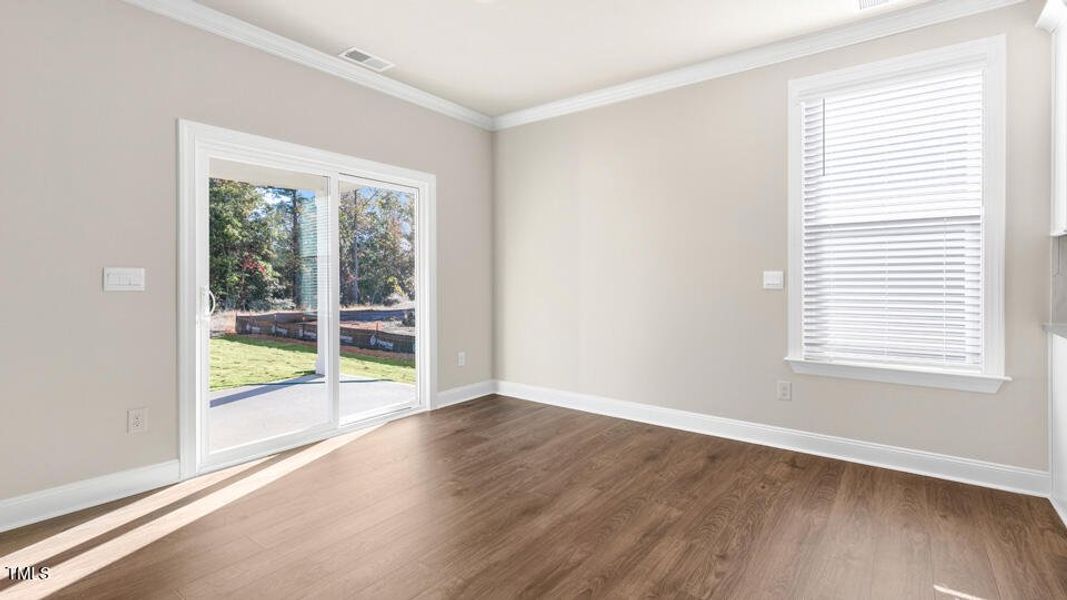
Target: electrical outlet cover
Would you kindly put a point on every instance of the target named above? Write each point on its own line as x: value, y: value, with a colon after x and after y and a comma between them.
x: 785, y: 391
x: 137, y: 420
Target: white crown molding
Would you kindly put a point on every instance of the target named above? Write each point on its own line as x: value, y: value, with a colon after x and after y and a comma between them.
x: 466, y: 393
x: 64, y: 499
x: 965, y: 470
x: 1052, y: 16
x: 932, y: 13
x: 232, y: 28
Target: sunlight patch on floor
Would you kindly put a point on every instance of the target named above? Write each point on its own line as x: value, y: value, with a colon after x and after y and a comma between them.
x: 98, y: 557
x: 37, y: 553
x: 957, y: 595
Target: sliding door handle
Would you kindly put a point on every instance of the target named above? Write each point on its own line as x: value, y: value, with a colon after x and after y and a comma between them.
x: 207, y: 300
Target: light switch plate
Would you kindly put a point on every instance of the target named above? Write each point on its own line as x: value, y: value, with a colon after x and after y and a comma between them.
x: 123, y: 279
x: 773, y: 280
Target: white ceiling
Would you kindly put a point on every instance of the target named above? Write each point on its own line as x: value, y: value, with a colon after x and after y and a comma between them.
x: 497, y: 56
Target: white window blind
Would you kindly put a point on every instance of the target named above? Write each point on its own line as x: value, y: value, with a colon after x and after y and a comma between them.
x: 892, y: 222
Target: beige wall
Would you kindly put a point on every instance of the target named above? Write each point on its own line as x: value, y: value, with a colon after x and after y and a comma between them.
x: 88, y: 111
x: 630, y: 241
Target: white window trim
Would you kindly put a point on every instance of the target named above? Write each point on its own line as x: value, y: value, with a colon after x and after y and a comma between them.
x: 990, y: 52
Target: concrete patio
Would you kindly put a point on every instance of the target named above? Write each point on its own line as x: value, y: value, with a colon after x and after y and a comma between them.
x: 250, y: 413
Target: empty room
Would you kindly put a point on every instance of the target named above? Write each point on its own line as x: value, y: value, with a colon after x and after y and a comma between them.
x: 411, y: 299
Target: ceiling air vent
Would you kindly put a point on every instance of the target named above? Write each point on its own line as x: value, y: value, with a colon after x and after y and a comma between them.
x: 872, y: 3
x: 366, y: 59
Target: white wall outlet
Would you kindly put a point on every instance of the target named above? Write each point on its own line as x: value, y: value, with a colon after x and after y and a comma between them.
x: 461, y: 359
x: 773, y: 280
x: 123, y: 279
x: 785, y: 391
x: 137, y: 420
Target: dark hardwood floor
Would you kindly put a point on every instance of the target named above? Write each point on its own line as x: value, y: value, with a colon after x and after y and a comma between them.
x: 500, y: 498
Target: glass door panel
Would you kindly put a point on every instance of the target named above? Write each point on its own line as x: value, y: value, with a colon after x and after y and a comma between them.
x: 268, y: 286
x: 376, y: 233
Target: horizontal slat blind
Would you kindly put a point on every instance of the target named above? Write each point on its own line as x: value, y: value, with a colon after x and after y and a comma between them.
x: 892, y: 223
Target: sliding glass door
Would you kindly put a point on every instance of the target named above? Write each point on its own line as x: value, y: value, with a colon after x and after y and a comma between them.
x: 377, y: 323
x: 267, y: 287
x: 306, y: 281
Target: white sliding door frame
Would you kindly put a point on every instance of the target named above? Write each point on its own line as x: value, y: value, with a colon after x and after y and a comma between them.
x: 420, y: 259
x: 198, y: 144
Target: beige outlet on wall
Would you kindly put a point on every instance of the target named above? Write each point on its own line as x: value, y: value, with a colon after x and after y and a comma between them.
x: 461, y: 359
x: 785, y: 391
x: 137, y: 420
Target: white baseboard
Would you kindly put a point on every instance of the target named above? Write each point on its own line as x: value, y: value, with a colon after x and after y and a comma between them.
x: 965, y: 470
x: 53, y: 502
x: 1060, y: 505
x: 64, y: 499
x: 459, y: 395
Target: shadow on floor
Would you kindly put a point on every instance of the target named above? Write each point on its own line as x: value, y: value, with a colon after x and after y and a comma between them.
x: 266, y: 388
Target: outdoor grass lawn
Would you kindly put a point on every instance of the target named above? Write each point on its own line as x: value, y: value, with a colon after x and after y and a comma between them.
x: 239, y: 360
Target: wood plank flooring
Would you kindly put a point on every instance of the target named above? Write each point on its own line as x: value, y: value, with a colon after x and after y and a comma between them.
x: 500, y: 498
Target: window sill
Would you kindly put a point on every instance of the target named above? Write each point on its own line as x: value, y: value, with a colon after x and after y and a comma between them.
x: 1059, y: 329
x: 985, y: 384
